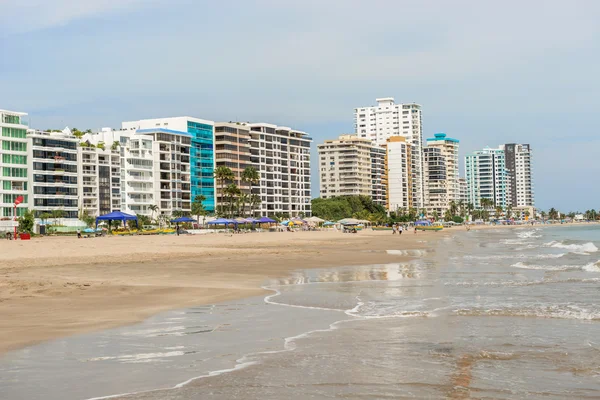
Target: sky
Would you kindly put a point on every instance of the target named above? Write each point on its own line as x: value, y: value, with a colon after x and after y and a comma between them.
x: 485, y: 72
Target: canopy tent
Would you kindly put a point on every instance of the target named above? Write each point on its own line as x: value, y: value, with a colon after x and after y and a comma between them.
x: 222, y: 221
x: 349, y: 221
x: 316, y: 220
x: 265, y: 220
x: 423, y: 223
x: 329, y: 223
x: 183, y: 219
x: 241, y: 220
x: 117, y: 216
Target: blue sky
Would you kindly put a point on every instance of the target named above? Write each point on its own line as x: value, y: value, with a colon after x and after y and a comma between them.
x: 485, y: 72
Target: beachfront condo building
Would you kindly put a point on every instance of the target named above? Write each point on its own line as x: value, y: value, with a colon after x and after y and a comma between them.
x: 441, y: 174
x: 462, y: 191
x: 232, y: 150
x: 400, y: 195
x: 388, y: 119
x: 518, y: 164
x: 53, y: 174
x: 99, y: 173
x: 202, y: 151
x: 345, y: 167
x: 379, y: 189
x: 13, y: 161
x: 282, y: 156
x: 487, y: 178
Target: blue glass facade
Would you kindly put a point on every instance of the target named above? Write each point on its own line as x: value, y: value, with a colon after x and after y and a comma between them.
x: 202, y: 160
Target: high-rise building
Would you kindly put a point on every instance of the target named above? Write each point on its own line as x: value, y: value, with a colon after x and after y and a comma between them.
x: 14, y: 163
x: 462, y: 190
x: 283, y: 158
x: 53, y: 173
x: 487, y: 177
x: 345, y: 167
x: 388, y: 119
x: 202, y: 151
x: 232, y: 150
x: 518, y: 164
x: 441, y: 173
x: 379, y: 188
x: 99, y: 173
x: 398, y: 175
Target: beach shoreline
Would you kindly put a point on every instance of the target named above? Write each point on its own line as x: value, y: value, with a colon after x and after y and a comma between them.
x: 57, y: 287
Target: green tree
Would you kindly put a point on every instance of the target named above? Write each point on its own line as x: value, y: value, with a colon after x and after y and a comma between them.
x: 250, y: 176
x: 101, y: 145
x: 154, y: 209
x: 448, y: 216
x: 553, y: 213
x: 223, y: 174
x: 499, y: 211
x: 453, y: 208
x: 435, y: 215
x: 543, y: 215
x: 57, y: 215
x: 527, y: 214
x: 231, y: 192
x: 115, y: 145
x: 197, y: 207
x: 87, y: 219
x: 77, y: 133
x: 254, y: 202
x: 26, y: 222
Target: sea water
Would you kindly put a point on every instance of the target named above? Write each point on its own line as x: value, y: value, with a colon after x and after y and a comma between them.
x: 496, y: 314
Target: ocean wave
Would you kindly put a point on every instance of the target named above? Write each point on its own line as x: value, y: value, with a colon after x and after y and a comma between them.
x: 592, y: 267
x: 407, y: 253
x: 584, y: 248
x: 524, y: 283
x: 518, y: 255
x: 561, y: 312
x: 529, y: 234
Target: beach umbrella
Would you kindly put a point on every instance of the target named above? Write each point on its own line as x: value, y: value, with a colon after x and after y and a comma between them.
x: 222, y: 221
x: 315, y: 220
x: 328, y: 223
x: 89, y: 230
x: 265, y: 220
x: 183, y: 219
x: 285, y: 223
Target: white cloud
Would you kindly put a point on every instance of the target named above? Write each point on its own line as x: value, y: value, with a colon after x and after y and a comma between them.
x: 32, y: 15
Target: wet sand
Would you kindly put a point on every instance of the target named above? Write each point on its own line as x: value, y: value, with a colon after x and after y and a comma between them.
x: 54, y: 287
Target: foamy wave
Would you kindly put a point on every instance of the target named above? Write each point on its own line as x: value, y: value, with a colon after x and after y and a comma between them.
x: 592, y: 267
x: 141, y: 357
x: 562, y: 312
x: 407, y: 253
x: 579, y: 248
x: 512, y: 256
x: 529, y: 234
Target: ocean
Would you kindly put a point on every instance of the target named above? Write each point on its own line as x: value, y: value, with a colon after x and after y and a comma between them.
x: 494, y: 314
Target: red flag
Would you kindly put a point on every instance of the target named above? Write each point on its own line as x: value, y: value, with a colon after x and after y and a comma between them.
x: 19, y: 200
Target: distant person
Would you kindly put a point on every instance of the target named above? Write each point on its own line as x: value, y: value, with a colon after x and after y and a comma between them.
x: 415, y: 229
x: 400, y: 229
x: 78, y: 233
x: 177, y: 229
x: 394, y: 229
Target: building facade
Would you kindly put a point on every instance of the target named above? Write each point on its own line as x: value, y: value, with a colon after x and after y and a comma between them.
x: 14, y: 163
x: 232, y: 150
x: 518, y: 164
x: 282, y: 156
x: 202, y: 151
x: 462, y: 190
x: 487, y: 177
x: 398, y: 175
x: 379, y: 188
x: 441, y: 173
x: 388, y: 119
x: 345, y: 167
x: 53, y: 169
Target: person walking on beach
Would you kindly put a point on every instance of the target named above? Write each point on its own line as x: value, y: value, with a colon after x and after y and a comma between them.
x: 400, y: 229
x: 415, y: 229
x: 393, y: 229
x: 78, y: 233
x: 177, y: 228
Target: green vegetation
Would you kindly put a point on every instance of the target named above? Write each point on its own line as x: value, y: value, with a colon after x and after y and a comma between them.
x: 359, y: 207
x: 198, y: 208
x: 26, y: 222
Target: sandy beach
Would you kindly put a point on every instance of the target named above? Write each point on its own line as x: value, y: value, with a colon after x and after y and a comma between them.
x: 54, y: 287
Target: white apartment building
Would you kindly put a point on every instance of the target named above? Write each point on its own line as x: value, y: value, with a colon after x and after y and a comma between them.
x: 345, y: 167
x: 388, y: 119
x: 53, y: 173
x: 487, y: 177
x: 462, y: 190
x: 518, y: 164
x: 282, y: 155
x: 441, y: 173
x: 398, y: 177
x: 379, y: 189
x: 13, y: 160
x: 202, y: 151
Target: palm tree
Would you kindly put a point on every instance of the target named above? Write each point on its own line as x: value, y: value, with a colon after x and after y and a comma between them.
x: 153, y: 208
x: 435, y: 216
x: 553, y: 214
x: 231, y: 192
x: 543, y: 214
x: 508, y: 212
x: 254, y: 201
x: 197, y: 206
x: 527, y: 213
x: 470, y: 208
x: 115, y: 145
x: 453, y: 208
x: 251, y: 176
x: 223, y: 174
x: 498, y: 211
x: 101, y: 145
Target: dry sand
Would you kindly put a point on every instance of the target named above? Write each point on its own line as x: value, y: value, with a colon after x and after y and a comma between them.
x: 53, y: 287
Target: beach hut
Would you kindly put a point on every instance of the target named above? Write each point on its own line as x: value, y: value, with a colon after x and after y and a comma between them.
x: 117, y: 216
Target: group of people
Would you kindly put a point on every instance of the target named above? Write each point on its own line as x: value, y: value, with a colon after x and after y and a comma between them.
x: 399, y: 228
